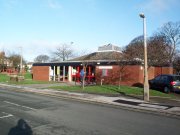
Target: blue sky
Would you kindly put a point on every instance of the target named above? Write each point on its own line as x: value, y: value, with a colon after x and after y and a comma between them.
x: 39, y: 26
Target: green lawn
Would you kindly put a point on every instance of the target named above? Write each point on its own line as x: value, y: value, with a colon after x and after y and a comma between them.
x: 4, y: 78
x: 28, y: 76
x: 105, y: 89
x: 111, y: 89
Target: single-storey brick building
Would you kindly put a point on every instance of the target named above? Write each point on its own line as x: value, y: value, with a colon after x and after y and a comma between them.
x: 101, y: 67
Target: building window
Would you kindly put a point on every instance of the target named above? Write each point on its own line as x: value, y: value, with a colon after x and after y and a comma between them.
x: 104, y: 72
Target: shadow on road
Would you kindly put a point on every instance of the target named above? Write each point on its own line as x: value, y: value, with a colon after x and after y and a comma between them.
x: 22, y: 128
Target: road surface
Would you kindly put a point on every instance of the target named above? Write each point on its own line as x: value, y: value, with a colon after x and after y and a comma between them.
x: 35, y: 114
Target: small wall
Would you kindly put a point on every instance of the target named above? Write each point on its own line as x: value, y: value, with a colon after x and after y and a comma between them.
x: 40, y: 73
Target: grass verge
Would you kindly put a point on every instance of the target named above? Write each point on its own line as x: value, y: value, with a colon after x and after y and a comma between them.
x: 111, y: 89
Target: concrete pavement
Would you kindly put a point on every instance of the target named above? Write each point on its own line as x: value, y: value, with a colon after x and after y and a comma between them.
x: 119, y: 101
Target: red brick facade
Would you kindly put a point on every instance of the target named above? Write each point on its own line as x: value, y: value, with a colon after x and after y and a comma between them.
x: 41, y: 73
x: 132, y: 75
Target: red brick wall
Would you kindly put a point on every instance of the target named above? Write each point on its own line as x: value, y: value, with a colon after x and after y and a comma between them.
x: 133, y: 75
x: 151, y: 72
x: 163, y: 70
x: 41, y: 73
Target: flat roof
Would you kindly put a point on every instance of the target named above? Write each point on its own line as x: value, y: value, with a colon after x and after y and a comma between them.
x: 75, y: 63
x: 93, y: 62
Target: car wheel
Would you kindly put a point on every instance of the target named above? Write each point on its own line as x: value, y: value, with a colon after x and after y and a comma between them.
x: 166, y: 89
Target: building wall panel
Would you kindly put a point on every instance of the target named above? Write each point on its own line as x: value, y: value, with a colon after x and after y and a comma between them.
x: 132, y: 75
x: 41, y: 73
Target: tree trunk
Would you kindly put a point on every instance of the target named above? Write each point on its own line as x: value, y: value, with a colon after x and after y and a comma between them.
x: 83, y: 80
x: 119, y: 80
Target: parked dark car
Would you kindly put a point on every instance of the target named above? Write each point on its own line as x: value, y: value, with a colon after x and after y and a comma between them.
x: 166, y: 83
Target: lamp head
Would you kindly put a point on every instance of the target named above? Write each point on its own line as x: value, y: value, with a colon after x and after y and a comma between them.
x: 142, y: 15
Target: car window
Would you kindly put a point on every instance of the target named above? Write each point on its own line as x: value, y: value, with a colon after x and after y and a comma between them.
x: 176, y: 78
x: 164, y: 78
x: 157, y: 78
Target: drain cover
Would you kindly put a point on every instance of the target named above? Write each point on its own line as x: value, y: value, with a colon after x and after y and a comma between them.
x: 126, y: 102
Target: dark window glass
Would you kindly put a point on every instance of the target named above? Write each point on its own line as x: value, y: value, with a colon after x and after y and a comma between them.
x: 164, y: 78
x: 176, y: 78
x: 157, y: 78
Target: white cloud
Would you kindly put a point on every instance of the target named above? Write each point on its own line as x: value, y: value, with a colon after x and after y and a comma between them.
x: 31, y: 49
x: 54, y: 4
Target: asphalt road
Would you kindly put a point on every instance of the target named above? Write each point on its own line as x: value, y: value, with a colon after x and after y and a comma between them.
x: 33, y: 114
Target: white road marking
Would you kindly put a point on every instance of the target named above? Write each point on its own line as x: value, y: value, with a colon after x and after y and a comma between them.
x: 19, y: 105
x: 6, y: 115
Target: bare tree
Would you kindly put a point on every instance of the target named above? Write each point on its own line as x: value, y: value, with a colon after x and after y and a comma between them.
x: 171, y: 32
x: 121, y: 62
x: 63, y: 52
x: 42, y: 58
x: 86, y: 60
x: 83, y: 73
x: 2, y: 58
x: 176, y: 63
x: 157, y: 51
x: 16, y: 58
x: 134, y: 50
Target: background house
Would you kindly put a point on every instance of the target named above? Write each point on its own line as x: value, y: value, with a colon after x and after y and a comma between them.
x: 29, y: 66
x: 5, y: 63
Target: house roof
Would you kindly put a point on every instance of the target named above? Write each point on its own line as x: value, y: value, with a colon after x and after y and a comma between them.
x: 76, y: 63
x: 109, y: 55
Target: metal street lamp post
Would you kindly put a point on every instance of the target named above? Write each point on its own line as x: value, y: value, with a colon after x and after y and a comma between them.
x: 21, y: 66
x: 146, y: 84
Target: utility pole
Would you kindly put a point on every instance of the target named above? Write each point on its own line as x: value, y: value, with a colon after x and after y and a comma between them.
x: 146, y: 84
x: 21, y: 66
